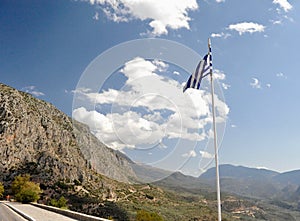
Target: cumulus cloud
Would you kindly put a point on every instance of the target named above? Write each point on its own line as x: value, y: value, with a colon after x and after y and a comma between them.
x: 161, y: 16
x: 144, y: 114
x: 176, y: 73
x: 220, y: 75
x: 207, y: 155
x: 245, y: 27
x: 225, y: 86
x: 32, y: 90
x: 191, y: 153
x: 255, y: 83
x: 220, y: 35
x: 284, y: 4
x: 281, y: 75
x: 276, y: 22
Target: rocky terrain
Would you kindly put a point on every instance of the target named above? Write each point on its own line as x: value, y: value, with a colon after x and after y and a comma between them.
x: 34, y: 133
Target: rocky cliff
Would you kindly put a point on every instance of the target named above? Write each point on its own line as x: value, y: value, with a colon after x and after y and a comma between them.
x: 104, y: 160
x: 37, y: 137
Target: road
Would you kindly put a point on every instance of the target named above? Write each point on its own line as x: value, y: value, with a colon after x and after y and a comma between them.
x: 6, y: 214
x: 39, y: 214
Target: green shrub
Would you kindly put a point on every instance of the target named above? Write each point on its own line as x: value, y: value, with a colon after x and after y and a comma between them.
x: 25, y: 191
x: 18, y: 182
x: 62, y: 185
x: 60, y: 203
x: 143, y: 215
x: 1, y: 190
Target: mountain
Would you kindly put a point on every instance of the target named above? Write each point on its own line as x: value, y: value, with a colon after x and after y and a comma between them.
x: 280, y: 189
x: 104, y: 160
x: 249, y: 193
x: 240, y: 172
x: 291, y: 177
x: 34, y: 134
x: 243, y: 181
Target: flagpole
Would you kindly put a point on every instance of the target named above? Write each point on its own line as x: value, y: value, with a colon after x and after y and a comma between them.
x: 215, y: 137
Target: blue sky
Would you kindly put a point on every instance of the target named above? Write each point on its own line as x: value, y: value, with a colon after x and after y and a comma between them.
x: 47, y: 48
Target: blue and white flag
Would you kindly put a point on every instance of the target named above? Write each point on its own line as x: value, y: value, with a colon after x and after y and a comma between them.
x: 202, y: 70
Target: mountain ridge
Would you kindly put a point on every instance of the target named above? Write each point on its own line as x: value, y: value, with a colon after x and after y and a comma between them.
x: 34, y: 131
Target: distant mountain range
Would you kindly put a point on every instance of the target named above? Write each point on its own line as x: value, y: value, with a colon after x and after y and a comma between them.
x: 255, y: 182
x: 243, y: 181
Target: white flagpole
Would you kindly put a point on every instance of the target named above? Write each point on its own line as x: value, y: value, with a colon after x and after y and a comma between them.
x: 215, y: 137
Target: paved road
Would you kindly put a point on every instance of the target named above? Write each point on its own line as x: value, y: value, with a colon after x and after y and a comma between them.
x: 40, y: 214
x: 6, y: 214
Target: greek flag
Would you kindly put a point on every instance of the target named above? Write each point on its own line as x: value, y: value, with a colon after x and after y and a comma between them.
x: 202, y: 70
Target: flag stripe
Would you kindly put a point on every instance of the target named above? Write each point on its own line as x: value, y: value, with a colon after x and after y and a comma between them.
x: 203, y: 69
x: 199, y: 75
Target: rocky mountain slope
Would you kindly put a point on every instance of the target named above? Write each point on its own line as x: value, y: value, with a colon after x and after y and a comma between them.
x: 102, y: 159
x: 33, y: 133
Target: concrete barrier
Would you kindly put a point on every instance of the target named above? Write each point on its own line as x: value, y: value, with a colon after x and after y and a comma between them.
x: 69, y: 213
x: 19, y: 212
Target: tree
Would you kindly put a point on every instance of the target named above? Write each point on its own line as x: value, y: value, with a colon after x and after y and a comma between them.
x: 18, y: 182
x: 1, y: 190
x: 25, y: 191
x: 143, y: 215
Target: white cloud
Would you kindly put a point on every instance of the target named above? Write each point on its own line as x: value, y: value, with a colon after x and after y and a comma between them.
x: 167, y: 112
x: 207, y: 155
x: 245, y: 27
x: 191, y: 153
x: 176, y: 73
x: 255, y: 83
x: 289, y: 18
x: 268, y: 85
x: 120, y: 130
x: 281, y: 75
x: 276, y: 22
x: 262, y: 168
x: 160, y: 66
x: 218, y: 74
x: 225, y: 86
x: 220, y: 35
x: 283, y: 4
x: 219, y: 1
x: 32, y: 90
x: 161, y: 15
x: 96, y: 16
